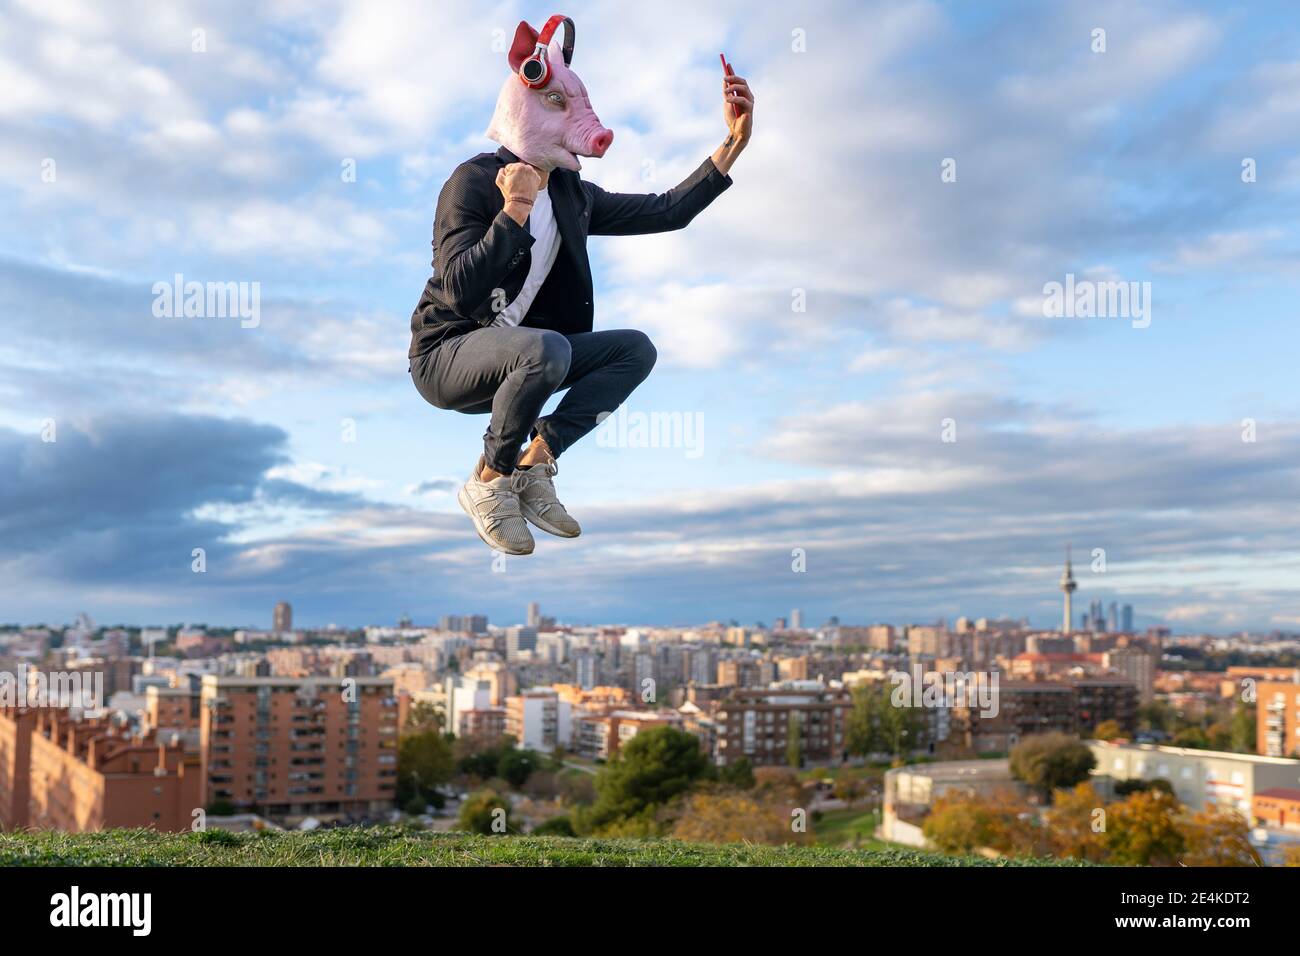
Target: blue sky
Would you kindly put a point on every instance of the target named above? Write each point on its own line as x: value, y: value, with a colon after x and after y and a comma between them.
x: 822, y: 428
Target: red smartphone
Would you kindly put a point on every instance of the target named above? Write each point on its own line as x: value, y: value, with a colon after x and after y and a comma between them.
x: 728, y: 71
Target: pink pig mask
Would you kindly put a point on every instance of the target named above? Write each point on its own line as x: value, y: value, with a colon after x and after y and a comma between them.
x: 550, y: 125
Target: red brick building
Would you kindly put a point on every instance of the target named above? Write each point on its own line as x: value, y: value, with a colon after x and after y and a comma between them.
x: 756, y: 724
x: 1276, y: 807
x: 314, y: 746
x: 61, y: 773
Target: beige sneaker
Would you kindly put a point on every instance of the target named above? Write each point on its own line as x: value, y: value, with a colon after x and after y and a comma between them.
x: 494, y: 507
x: 539, y: 505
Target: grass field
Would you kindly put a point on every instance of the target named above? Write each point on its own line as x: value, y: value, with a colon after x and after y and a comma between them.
x: 394, y: 846
x: 838, y: 827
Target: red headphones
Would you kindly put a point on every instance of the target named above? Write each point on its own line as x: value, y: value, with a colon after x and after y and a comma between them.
x: 535, y: 72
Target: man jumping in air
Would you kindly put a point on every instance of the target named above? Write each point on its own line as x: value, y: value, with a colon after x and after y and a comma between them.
x: 506, y: 319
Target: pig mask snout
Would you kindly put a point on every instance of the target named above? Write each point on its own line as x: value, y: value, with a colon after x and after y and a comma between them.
x: 601, y: 142
x: 552, y: 123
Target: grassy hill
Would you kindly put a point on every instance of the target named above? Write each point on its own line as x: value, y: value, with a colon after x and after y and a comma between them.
x: 394, y: 846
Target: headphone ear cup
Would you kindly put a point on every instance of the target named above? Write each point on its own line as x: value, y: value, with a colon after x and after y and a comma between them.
x: 534, y: 71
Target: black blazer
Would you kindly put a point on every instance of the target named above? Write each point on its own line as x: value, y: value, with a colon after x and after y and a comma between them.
x: 481, y: 255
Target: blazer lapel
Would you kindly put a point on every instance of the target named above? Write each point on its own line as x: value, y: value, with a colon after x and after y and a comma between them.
x: 569, y: 201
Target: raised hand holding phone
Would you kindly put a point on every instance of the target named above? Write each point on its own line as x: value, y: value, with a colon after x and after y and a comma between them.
x: 737, y: 113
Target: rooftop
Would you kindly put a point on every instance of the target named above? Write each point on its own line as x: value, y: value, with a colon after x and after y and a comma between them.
x: 223, y: 680
x: 1280, y: 793
x: 1192, y: 752
x: 950, y: 770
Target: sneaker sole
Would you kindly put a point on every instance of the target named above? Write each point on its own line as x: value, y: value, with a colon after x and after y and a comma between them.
x: 535, y: 519
x: 478, y: 526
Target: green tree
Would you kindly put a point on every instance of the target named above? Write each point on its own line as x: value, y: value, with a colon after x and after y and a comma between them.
x: 1108, y: 730
x: 1075, y: 824
x: 516, y: 766
x: 1218, y: 736
x: 959, y: 824
x: 1053, y: 761
x: 424, y: 762
x: 849, y: 787
x: 1191, y: 737
x: 1217, y: 837
x: 1157, y: 715
x: 877, y: 724
x: 556, y: 826
x: 1124, y: 788
x: 421, y: 718
x: 734, y: 818
x: 963, y: 823
x: 576, y: 787
x: 1243, y: 728
x: 486, y: 812
x: 794, y: 741
x: 739, y: 775
x: 1143, y: 830
x: 648, y: 771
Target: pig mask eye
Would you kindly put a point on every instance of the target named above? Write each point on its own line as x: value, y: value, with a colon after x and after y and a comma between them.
x: 554, y: 98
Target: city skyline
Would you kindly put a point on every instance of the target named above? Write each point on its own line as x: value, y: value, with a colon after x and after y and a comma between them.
x: 533, y: 618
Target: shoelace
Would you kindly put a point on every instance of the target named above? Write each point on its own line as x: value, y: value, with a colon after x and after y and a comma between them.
x: 504, y: 502
x: 549, y: 470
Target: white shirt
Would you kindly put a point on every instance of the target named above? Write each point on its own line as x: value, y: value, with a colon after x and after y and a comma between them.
x: 546, y: 245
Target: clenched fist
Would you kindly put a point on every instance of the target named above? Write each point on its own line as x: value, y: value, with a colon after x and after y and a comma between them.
x: 519, y: 182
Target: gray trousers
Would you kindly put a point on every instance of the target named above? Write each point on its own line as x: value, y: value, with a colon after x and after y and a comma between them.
x: 511, y: 372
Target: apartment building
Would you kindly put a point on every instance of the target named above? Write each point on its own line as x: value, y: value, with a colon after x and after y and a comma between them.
x: 1023, y: 708
x: 1040, y: 666
x: 593, y: 699
x: 539, y: 719
x: 739, y: 672
x: 500, y: 679
x: 1200, y: 778
x: 481, y: 723
x: 408, y: 678
x: 474, y: 706
x: 756, y: 723
x: 792, y: 668
x: 1137, y: 664
x: 171, y: 709
x: 61, y: 772
x: 1038, y: 707
x: 1049, y: 644
x: 698, y: 723
x: 1102, y: 699
x: 599, y: 736
x: 928, y: 641
x: 300, y: 746
x: 1277, y: 725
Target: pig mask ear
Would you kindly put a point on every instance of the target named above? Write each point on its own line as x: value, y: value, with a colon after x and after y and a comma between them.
x: 523, y: 46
